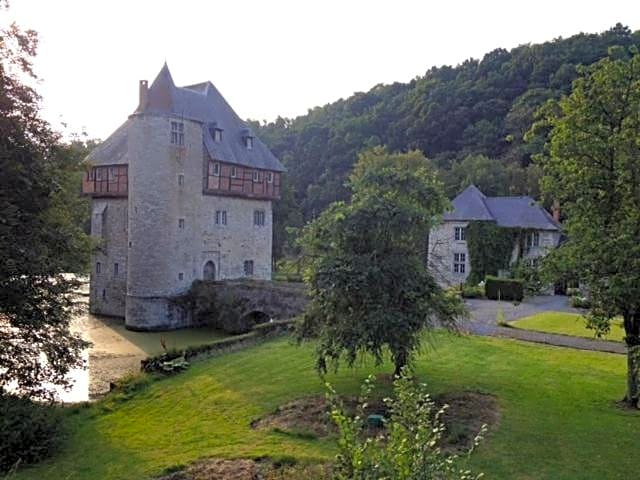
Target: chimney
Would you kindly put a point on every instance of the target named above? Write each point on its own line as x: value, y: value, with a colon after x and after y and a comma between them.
x: 144, y: 90
x: 556, y: 210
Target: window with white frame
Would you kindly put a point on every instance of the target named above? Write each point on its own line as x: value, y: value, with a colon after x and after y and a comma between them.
x: 234, y: 172
x: 258, y: 217
x: 533, y: 240
x: 177, y: 133
x: 248, y: 142
x: 269, y: 177
x: 221, y: 217
x: 459, y: 234
x: 256, y: 176
x: 459, y: 262
x: 216, y: 169
x: 217, y: 135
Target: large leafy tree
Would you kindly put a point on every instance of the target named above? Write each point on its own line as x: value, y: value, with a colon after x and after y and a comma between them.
x: 38, y: 235
x: 369, y: 285
x: 593, y: 169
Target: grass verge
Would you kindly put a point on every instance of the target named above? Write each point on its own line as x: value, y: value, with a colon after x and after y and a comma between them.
x: 564, y: 323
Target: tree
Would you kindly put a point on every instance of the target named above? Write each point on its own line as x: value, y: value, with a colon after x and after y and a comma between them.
x: 593, y: 170
x: 37, y: 234
x: 369, y: 284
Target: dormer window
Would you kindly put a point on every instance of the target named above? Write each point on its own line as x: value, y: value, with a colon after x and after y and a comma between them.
x: 177, y: 133
x: 248, y: 142
x: 217, y: 135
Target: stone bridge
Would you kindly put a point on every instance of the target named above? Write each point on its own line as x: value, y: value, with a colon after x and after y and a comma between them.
x: 217, y: 301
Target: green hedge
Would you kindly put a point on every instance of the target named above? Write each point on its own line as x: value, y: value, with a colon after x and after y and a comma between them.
x: 511, y: 289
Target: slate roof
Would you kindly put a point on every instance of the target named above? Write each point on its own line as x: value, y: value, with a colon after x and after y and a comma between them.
x: 521, y: 212
x: 202, y: 103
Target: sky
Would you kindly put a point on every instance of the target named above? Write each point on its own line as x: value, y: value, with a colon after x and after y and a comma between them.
x: 272, y: 57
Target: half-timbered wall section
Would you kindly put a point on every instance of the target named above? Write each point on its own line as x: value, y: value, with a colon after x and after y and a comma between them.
x: 106, y: 181
x: 227, y: 179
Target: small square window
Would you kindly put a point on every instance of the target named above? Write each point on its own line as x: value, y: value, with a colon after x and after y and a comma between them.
x: 234, y: 172
x: 181, y: 179
x: 459, y: 234
x: 221, y: 217
x: 258, y: 217
x: 181, y: 276
x: 270, y: 177
x: 248, y: 142
x: 256, y: 176
x: 181, y: 223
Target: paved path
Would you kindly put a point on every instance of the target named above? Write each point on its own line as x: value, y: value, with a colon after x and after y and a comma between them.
x: 483, y: 322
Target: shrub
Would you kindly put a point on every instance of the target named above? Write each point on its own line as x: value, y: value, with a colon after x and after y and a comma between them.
x: 578, y: 301
x: 511, y: 289
x: 408, y: 446
x: 573, y: 292
x: 472, y: 291
x: 29, y: 432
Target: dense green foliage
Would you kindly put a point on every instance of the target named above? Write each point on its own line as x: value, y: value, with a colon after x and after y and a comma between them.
x: 490, y: 248
x: 469, y: 119
x: 551, y: 400
x: 511, y: 289
x: 369, y: 285
x: 40, y: 237
x: 593, y: 169
x: 29, y: 432
x: 409, y: 447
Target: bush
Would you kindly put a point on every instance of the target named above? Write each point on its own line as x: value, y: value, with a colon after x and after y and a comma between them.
x: 407, y: 447
x: 578, y: 301
x: 29, y: 432
x: 511, y: 289
x: 573, y: 292
x: 472, y: 291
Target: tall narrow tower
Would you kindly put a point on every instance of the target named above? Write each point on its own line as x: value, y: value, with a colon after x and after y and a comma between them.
x: 195, y: 189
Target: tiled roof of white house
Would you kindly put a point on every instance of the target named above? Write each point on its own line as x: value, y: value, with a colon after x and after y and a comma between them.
x: 201, y: 103
x: 521, y: 212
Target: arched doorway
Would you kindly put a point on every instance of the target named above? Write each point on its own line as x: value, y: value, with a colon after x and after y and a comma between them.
x: 209, y: 271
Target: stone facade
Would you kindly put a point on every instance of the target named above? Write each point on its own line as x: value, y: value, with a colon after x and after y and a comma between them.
x: 166, y: 231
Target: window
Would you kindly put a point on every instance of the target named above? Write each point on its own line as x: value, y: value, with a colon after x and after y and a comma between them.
x: 459, y: 262
x: 269, y: 177
x: 116, y: 268
x: 177, y: 133
x: 248, y: 268
x: 181, y: 276
x: 258, y: 217
x: 216, y: 169
x: 533, y: 240
x: 256, y: 176
x: 98, y: 267
x: 217, y: 135
x: 181, y: 179
x: 459, y: 234
x: 248, y: 142
x: 181, y: 223
x: 234, y: 172
x: 209, y: 271
x: 221, y: 217
x: 104, y: 294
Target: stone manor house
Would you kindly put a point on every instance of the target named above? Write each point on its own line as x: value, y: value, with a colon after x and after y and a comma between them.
x: 182, y: 190
x: 448, y: 256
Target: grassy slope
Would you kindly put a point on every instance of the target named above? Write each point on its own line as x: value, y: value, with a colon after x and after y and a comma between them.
x: 566, y: 324
x: 558, y: 415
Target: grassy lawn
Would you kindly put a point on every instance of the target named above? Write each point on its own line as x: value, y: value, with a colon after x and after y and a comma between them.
x: 566, y: 324
x: 558, y: 417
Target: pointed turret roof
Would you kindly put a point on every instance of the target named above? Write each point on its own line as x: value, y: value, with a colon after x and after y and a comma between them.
x: 202, y: 103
